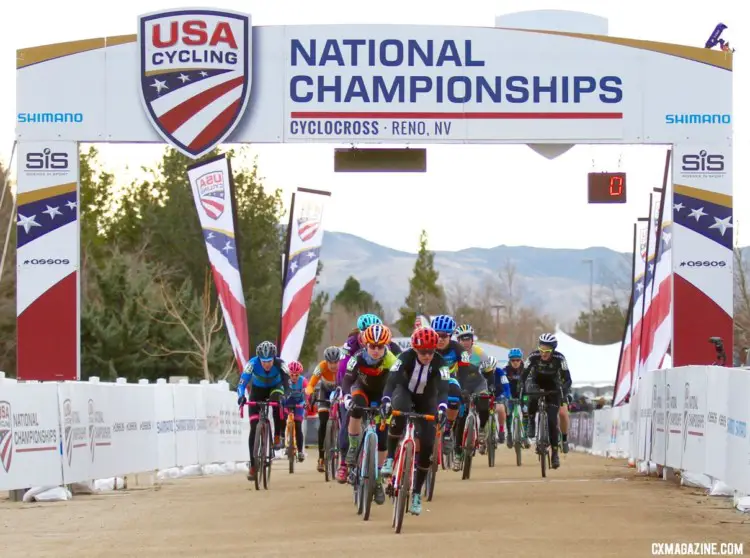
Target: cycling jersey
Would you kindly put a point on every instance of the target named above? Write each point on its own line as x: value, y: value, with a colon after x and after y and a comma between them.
x: 430, y: 381
x: 551, y: 374
x: 477, y: 355
x: 516, y: 378
x: 323, y: 374
x: 351, y: 347
x: 371, y: 377
x: 255, y: 375
x: 455, y: 355
x: 501, y: 383
x: 296, y: 393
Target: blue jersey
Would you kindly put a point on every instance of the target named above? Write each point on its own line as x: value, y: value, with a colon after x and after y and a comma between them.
x: 296, y: 394
x: 502, y: 384
x: 253, y: 374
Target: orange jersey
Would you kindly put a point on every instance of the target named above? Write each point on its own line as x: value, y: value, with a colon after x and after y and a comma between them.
x: 322, y: 372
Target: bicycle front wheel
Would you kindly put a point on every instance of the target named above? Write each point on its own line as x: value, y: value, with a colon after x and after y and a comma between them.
x: 404, y: 490
x: 543, y: 441
x: 432, y: 473
x: 330, y: 453
x: 491, y: 440
x: 471, y: 438
x: 258, y: 452
x: 369, y: 472
x: 516, y: 431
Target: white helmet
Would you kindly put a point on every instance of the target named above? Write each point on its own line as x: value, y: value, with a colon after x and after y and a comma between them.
x: 548, y: 339
x: 489, y: 365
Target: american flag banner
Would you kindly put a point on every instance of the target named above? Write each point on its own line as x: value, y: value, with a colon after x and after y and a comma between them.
x: 212, y: 185
x: 648, y: 287
x: 632, y: 335
x: 304, y: 240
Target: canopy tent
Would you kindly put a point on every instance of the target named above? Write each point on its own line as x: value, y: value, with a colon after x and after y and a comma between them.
x: 590, y: 365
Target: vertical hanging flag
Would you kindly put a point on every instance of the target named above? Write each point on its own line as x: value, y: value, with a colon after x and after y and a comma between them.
x: 633, y: 334
x: 304, y: 239
x: 213, y: 193
x: 627, y: 335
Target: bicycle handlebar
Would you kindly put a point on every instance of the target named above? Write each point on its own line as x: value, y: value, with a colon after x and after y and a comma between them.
x: 257, y: 404
x: 396, y: 413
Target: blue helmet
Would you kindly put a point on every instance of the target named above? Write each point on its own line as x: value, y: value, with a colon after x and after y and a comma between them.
x: 515, y: 353
x: 366, y: 320
x: 443, y: 324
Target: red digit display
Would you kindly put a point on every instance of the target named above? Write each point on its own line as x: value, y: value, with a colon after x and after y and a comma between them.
x: 607, y: 187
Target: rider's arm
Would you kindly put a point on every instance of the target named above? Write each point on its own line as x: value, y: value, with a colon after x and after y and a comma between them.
x: 284, y: 377
x: 394, y: 375
x: 502, y: 385
x: 350, y: 376
x: 245, y: 378
x: 443, y: 383
x: 567, y: 381
x: 313, y: 380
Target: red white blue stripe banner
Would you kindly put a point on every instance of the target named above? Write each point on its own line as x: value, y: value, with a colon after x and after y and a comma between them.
x: 212, y: 185
x: 304, y: 240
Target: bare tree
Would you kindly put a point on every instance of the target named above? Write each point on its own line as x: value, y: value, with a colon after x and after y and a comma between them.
x: 511, y: 290
x: 206, y: 314
x: 741, y: 302
x: 615, y: 283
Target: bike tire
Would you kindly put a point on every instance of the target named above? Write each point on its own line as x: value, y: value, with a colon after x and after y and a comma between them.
x: 471, y: 436
x: 517, y: 441
x: 543, y: 437
x: 290, y: 443
x: 371, y: 472
x: 447, y: 461
x: 258, y: 452
x: 491, y: 442
x: 404, y: 491
x: 432, y: 473
x: 329, y: 470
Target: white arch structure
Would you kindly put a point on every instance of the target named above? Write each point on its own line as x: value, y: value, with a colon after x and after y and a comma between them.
x: 194, y: 78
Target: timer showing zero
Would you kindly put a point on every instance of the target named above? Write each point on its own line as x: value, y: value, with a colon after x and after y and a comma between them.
x: 608, y: 187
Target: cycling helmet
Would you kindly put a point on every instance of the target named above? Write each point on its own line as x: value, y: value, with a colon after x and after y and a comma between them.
x: 295, y: 367
x: 515, y: 353
x: 332, y: 354
x: 464, y: 329
x: 490, y: 364
x: 548, y: 339
x: 424, y: 339
x: 366, y: 320
x: 377, y: 334
x: 443, y: 324
x: 266, y: 351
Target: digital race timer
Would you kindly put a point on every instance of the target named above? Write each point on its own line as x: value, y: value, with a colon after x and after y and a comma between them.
x: 607, y: 187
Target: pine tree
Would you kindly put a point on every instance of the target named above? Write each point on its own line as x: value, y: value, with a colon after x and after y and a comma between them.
x: 425, y: 295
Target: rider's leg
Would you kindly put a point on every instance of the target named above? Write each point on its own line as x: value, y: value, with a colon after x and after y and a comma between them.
x: 400, y: 401
x: 533, y: 406
x: 278, y: 423
x: 426, y: 440
x: 322, y: 425
x: 298, y: 432
x: 359, y: 398
x: 564, y: 425
x: 553, y: 408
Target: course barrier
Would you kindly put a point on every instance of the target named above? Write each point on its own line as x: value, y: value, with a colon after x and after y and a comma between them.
x: 54, y: 434
x: 690, y: 419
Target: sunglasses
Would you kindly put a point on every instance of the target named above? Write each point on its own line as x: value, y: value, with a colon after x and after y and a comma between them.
x: 373, y: 347
x: 515, y: 360
x: 444, y: 335
x: 425, y: 352
x: 545, y: 350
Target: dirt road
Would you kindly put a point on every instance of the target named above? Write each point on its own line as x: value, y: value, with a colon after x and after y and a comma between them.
x: 589, y: 507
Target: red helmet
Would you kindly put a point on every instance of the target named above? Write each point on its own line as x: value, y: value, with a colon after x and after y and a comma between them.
x: 295, y: 367
x: 424, y: 339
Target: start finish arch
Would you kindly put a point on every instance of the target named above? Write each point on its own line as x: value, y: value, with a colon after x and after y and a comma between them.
x: 194, y: 78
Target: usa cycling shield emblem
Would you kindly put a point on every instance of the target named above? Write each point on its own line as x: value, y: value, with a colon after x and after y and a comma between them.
x: 195, y: 75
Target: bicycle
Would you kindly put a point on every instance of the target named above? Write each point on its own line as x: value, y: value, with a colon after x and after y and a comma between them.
x: 263, y: 442
x: 331, y: 449
x: 364, y: 475
x: 400, y: 485
x: 517, y: 433
x: 291, y: 435
x: 543, y: 445
x: 470, y: 439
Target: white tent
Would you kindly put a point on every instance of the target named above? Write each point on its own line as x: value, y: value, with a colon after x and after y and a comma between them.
x: 590, y: 365
x: 500, y: 353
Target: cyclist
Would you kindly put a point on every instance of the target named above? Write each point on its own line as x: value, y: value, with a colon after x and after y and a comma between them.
x: 454, y: 355
x: 268, y: 378
x: 567, y: 399
x: 296, y: 396
x: 363, y: 385
x: 418, y: 379
x: 323, y: 382
x: 465, y: 336
x: 472, y: 382
x: 516, y: 375
x: 500, y: 387
x: 546, y: 368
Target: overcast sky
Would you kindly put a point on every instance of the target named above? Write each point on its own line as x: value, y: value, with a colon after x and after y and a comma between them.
x: 471, y: 195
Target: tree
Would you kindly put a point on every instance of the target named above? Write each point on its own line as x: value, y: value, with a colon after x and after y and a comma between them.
x: 741, y: 304
x: 8, y: 281
x: 354, y: 299
x: 198, y: 319
x: 425, y: 295
x: 608, y: 324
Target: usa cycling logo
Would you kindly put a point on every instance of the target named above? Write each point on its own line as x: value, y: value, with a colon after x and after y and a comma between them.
x: 195, y: 75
